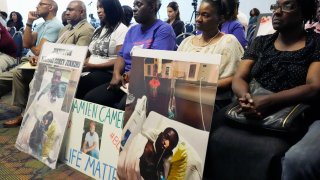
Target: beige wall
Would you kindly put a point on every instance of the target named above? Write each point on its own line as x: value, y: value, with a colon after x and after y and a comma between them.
x: 3, y: 6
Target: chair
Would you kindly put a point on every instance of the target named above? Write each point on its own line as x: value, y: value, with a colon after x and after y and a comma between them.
x: 17, y: 38
x: 250, y: 33
x: 189, y: 27
x: 12, y: 31
x: 181, y: 37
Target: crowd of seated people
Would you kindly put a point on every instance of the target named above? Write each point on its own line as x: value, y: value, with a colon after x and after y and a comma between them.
x: 292, y: 50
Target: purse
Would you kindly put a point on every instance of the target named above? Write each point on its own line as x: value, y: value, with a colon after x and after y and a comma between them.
x: 288, y: 119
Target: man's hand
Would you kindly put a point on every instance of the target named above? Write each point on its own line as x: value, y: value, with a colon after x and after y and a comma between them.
x: 32, y: 16
x: 33, y: 60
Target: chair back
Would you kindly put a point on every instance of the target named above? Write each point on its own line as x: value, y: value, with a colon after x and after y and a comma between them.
x: 189, y: 27
x: 12, y: 31
x: 17, y: 38
x: 181, y: 37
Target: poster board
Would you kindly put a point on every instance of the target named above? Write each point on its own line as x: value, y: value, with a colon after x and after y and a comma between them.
x: 51, y: 93
x: 264, y: 25
x: 170, y: 102
x: 93, y: 123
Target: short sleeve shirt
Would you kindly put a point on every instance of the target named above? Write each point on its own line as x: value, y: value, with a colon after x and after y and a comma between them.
x: 235, y: 28
x: 281, y: 70
x: 91, y: 139
x: 48, y: 30
x: 159, y: 36
x: 98, y: 44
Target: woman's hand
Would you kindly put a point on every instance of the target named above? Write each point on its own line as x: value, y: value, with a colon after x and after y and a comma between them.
x: 247, y: 103
x: 115, y: 81
x: 262, y: 104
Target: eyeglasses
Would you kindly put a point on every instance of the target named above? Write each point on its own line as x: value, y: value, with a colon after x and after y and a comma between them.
x: 284, y: 8
x: 43, y: 4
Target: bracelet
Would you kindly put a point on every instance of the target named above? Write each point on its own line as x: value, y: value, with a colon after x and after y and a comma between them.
x: 29, y: 25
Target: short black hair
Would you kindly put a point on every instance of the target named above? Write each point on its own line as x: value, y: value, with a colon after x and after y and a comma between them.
x: 217, y: 4
x: 4, y: 14
x: 127, y: 15
x: 156, y: 2
x: 231, y: 9
x: 175, y: 139
x: 254, y: 12
x: 308, y: 9
x: 48, y: 116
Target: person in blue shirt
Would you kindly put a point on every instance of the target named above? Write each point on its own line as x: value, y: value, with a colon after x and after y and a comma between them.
x: 150, y: 33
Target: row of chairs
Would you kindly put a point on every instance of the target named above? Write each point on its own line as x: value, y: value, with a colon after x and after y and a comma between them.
x: 17, y: 38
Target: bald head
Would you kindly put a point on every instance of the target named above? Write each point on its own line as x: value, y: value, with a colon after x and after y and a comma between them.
x: 54, y: 6
x: 76, y: 12
x: 82, y: 7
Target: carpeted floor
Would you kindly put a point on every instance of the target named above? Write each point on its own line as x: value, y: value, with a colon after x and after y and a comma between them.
x: 17, y: 165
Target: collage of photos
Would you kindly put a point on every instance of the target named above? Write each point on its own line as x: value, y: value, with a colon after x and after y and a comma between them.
x: 169, y: 106
x: 42, y: 128
x: 49, y: 103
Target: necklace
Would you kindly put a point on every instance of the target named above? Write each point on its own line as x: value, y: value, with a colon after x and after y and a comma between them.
x: 206, y: 44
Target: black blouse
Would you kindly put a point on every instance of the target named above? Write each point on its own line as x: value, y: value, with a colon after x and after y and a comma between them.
x: 280, y: 70
x: 178, y: 27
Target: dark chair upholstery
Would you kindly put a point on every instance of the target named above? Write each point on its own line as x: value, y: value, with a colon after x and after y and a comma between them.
x: 17, y: 38
x: 181, y: 37
x: 189, y: 27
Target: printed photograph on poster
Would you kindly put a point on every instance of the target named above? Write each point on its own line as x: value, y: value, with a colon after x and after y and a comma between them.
x: 40, y: 133
x: 92, y: 140
x: 264, y: 25
x: 50, y: 98
x: 169, y: 106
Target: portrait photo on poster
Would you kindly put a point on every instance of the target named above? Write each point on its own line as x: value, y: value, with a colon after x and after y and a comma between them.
x: 91, y: 138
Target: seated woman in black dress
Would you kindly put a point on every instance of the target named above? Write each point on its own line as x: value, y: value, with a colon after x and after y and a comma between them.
x: 286, y: 63
x: 174, y: 18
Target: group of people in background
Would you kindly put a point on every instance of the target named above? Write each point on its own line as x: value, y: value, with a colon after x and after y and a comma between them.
x: 286, y: 62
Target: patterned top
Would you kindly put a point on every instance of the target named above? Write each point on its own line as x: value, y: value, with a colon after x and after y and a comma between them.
x: 105, y: 46
x: 280, y: 70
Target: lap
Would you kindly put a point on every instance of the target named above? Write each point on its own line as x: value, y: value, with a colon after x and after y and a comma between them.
x: 6, y: 62
x: 102, y: 95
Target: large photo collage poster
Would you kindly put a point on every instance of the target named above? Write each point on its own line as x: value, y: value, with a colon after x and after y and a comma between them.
x: 92, y: 141
x: 49, y: 103
x: 168, y: 115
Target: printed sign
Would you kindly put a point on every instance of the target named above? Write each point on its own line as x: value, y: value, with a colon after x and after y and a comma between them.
x: 51, y: 93
x: 168, y: 115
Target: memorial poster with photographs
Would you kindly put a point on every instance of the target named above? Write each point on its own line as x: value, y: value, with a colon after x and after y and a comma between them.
x: 92, y: 141
x: 168, y: 115
x: 49, y: 103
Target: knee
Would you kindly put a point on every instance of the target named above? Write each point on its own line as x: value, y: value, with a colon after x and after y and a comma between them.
x: 17, y: 74
x: 91, y: 97
x: 298, y: 159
